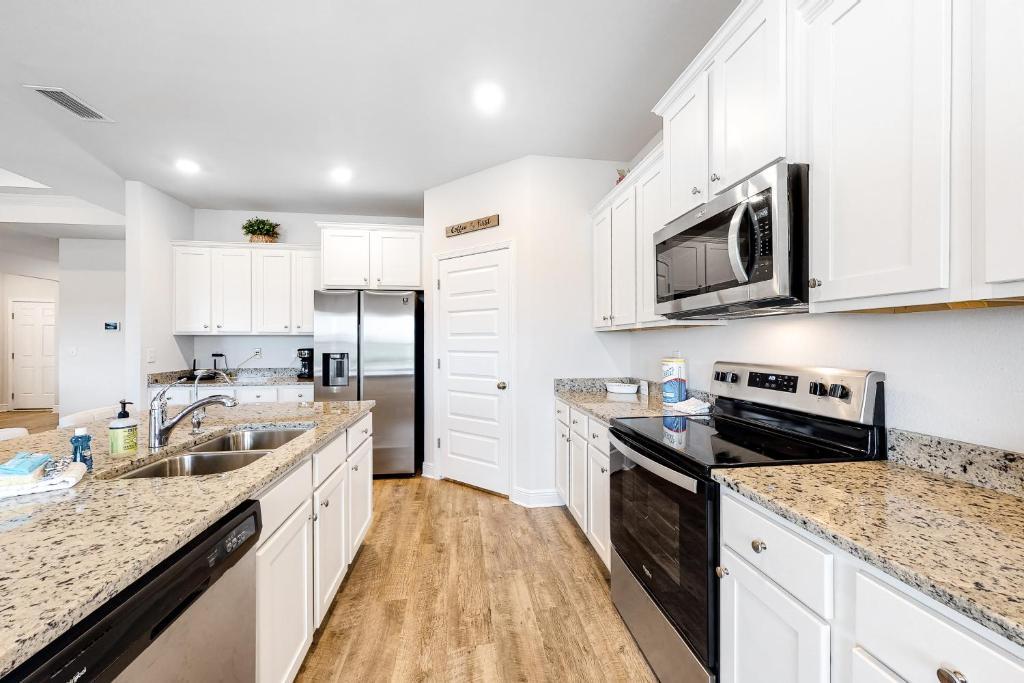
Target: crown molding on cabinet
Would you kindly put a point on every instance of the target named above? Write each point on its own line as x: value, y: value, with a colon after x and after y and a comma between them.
x: 653, y: 157
x: 247, y: 245
x: 369, y: 226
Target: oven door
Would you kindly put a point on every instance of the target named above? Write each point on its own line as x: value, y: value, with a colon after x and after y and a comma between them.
x: 662, y: 528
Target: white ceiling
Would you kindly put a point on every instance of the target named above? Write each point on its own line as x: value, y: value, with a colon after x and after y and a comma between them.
x: 268, y: 96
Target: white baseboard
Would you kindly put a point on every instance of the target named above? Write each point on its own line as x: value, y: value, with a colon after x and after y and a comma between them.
x: 536, y: 498
x: 3, y: 408
x: 430, y: 470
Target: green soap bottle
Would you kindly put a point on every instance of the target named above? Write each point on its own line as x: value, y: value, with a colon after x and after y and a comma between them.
x: 124, y: 432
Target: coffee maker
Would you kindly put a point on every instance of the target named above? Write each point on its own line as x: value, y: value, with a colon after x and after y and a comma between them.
x: 305, y: 363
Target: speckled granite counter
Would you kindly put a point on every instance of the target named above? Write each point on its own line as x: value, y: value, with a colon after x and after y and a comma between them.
x: 605, y: 406
x: 263, y: 377
x: 65, y: 553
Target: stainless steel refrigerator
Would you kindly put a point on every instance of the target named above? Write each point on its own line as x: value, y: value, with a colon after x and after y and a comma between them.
x: 368, y: 345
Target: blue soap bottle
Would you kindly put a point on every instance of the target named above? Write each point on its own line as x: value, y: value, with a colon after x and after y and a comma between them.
x: 81, y: 448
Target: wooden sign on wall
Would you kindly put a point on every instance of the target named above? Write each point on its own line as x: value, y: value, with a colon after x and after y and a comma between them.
x: 471, y: 226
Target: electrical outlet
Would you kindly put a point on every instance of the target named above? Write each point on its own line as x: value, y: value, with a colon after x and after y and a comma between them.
x: 257, y: 352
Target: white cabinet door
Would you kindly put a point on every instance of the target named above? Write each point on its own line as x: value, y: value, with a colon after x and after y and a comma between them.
x: 232, y: 290
x: 601, y: 232
x: 623, y: 258
x: 273, y: 278
x: 685, y: 132
x: 284, y: 608
x: 302, y: 392
x: 192, y: 290
x: 395, y: 258
x: 749, y: 98
x: 880, y: 148
x: 599, y: 529
x: 998, y: 147
x: 562, y: 461
x: 345, y: 257
x: 360, y: 497
x: 305, y: 281
x: 330, y: 549
x: 578, y: 479
x: 650, y: 217
x: 768, y: 635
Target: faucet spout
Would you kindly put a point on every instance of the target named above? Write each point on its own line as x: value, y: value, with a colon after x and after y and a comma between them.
x: 160, y: 427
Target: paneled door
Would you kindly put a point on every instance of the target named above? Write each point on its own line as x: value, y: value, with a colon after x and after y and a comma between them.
x: 624, y: 259
x: 33, y: 347
x: 305, y: 281
x: 273, y: 278
x: 474, y: 393
x: 601, y: 233
x: 232, y: 290
x: 685, y: 129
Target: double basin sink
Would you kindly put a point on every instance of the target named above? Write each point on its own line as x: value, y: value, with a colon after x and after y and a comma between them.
x: 223, y: 454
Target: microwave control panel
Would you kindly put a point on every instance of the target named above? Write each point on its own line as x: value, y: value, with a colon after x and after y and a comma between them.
x: 761, y: 212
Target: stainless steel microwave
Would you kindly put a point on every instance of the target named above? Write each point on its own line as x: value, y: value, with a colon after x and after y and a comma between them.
x: 741, y: 255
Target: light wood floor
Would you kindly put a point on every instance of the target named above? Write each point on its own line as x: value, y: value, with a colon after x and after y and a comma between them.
x: 32, y: 420
x: 456, y: 584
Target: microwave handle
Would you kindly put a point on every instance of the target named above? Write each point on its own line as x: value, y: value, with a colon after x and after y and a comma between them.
x: 735, y: 259
x: 657, y: 469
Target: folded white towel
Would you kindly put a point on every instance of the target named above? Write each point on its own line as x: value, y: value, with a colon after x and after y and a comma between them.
x: 691, y: 406
x: 64, y: 479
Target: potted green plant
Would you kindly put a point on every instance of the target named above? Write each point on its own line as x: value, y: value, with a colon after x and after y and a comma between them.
x: 261, y: 230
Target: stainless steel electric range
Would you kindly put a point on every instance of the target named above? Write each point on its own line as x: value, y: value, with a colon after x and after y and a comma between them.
x: 664, y: 502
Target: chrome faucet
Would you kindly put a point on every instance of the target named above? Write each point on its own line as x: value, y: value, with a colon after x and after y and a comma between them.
x: 160, y: 427
x: 199, y: 415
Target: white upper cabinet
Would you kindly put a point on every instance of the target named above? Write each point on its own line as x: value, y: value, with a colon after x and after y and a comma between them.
x: 748, y: 96
x: 273, y: 296
x: 623, y: 258
x: 305, y: 281
x: 368, y: 257
x: 880, y: 147
x: 601, y: 233
x: 345, y: 257
x: 395, y: 259
x: 232, y: 290
x: 192, y: 290
x: 685, y: 134
x: 651, y: 211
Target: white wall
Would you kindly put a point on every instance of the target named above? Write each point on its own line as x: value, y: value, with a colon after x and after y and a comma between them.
x: 543, y: 203
x: 278, y: 351
x: 152, y: 221
x: 224, y: 225
x: 28, y: 255
x: 954, y: 374
x: 92, y: 283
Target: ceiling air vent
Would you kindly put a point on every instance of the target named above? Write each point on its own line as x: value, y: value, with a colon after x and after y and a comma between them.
x: 70, y: 102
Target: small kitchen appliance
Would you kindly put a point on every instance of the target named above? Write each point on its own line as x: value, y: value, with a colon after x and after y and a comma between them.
x: 305, y: 363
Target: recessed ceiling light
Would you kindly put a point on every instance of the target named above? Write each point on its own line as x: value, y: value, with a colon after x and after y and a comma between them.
x: 341, y: 175
x: 488, y: 98
x: 186, y: 166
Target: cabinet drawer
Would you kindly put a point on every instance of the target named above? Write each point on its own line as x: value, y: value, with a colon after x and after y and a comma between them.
x: 359, y: 432
x: 256, y: 395
x: 295, y: 394
x: 328, y: 458
x: 578, y: 422
x: 867, y: 670
x: 798, y: 566
x: 597, y: 434
x: 282, y: 498
x: 562, y: 411
x: 215, y: 391
x: 915, y: 642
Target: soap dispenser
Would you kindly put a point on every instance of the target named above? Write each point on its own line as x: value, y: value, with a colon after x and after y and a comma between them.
x: 124, y: 431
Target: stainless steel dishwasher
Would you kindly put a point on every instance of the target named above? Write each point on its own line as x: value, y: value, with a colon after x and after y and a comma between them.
x: 191, y: 618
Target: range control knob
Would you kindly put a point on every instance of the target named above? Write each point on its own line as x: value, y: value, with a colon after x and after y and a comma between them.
x: 719, y: 375
x: 839, y: 391
x: 818, y: 388
x: 731, y: 377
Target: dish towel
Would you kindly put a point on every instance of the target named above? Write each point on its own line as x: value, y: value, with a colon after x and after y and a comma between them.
x: 691, y: 406
x: 55, y: 481
x: 23, y: 468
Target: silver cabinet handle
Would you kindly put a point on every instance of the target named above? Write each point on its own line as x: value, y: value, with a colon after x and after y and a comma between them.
x: 575, y: 422
x: 604, y: 470
x: 758, y: 545
x: 503, y: 385
x: 205, y: 326
x: 219, y: 326
x: 946, y: 676
x: 604, y: 317
x: 721, y: 572
x: 298, y: 327
x: 594, y: 435
x: 355, y: 468
x: 366, y: 431
x: 286, y: 327
x: 366, y: 279
x: 715, y: 177
x: 695, y: 190
x: 316, y: 517
x: 326, y: 503
x: 378, y: 279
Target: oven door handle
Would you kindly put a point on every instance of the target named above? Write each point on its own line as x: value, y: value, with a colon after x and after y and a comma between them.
x: 680, y: 480
x: 735, y: 259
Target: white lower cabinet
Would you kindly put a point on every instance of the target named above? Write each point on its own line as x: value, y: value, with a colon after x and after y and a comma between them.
x: 330, y: 540
x: 583, y: 474
x: 360, y: 488
x: 578, y: 479
x: 599, y: 528
x: 256, y: 394
x: 562, y: 461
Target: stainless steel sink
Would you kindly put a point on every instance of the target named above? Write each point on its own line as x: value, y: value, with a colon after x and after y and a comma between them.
x: 194, y: 464
x: 250, y: 440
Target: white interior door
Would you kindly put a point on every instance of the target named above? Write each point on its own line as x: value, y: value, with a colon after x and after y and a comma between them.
x: 474, y: 350
x: 33, y: 345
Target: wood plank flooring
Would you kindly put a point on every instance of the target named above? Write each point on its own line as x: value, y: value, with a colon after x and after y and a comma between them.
x: 32, y: 420
x: 455, y: 584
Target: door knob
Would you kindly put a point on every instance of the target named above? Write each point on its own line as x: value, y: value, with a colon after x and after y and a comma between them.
x: 814, y: 282
x: 503, y: 385
x: 721, y: 572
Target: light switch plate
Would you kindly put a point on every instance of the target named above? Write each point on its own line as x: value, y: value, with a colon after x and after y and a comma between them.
x: 151, y: 355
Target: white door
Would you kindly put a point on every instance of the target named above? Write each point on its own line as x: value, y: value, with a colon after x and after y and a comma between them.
x: 395, y: 258
x: 601, y: 233
x: 474, y: 400
x: 748, y: 98
x: 685, y: 129
x: 273, y: 278
x: 578, y: 479
x: 360, y: 496
x: 330, y: 548
x: 599, y: 525
x: 345, y: 257
x: 33, y: 347
x: 192, y: 290
x: 624, y: 259
x: 232, y: 290
x: 284, y: 607
x: 305, y: 281
x: 562, y: 461
x: 880, y: 148
x: 767, y: 634
x: 650, y: 217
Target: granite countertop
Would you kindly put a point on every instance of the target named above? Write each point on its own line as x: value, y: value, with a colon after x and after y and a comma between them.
x: 243, y: 381
x: 605, y: 406
x: 67, y: 552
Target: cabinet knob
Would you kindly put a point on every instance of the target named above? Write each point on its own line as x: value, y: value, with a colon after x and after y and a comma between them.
x: 327, y: 502
x: 205, y: 326
x: 366, y: 431
x: 316, y: 517
x: 695, y: 190
x: 286, y: 327
x: 593, y: 435
x: 758, y: 545
x: 219, y: 326
x: 604, y: 470
x: 378, y: 279
x: 604, y: 317
x: 503, y: 385
x: 715, y: 177
x: 575, y: 422
x: 946, y: 676
x: 298, y: 327
x: 366, y: 279
x: 721, y: 572
x: 355, y: 468
x: 814, y: 282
